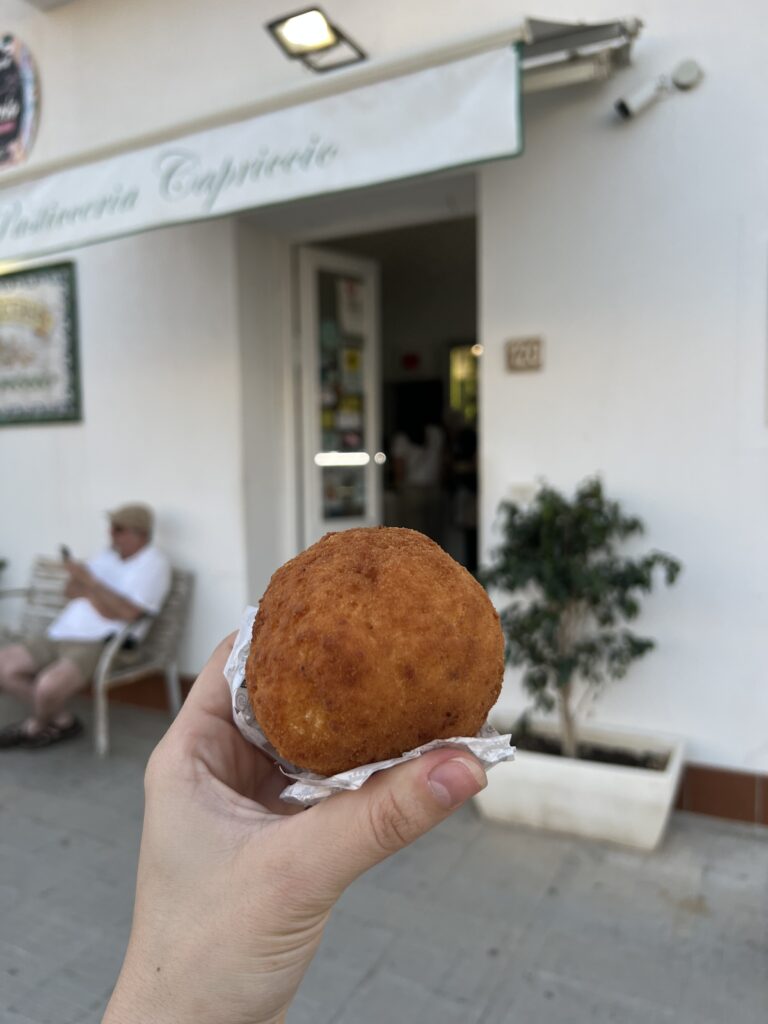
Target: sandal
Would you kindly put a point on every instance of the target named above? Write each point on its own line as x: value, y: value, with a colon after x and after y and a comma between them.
x: 51, y: 734
x: 13, y: 735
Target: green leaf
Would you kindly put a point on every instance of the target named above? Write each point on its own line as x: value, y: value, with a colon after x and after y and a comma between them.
x: 572, y: 589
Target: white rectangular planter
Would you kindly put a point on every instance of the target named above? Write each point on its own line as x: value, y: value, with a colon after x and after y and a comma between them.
x: 616, y: 803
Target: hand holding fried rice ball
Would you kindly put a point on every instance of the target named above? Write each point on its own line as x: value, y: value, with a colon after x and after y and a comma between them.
x: 368, y: 644
x: 234, y: 887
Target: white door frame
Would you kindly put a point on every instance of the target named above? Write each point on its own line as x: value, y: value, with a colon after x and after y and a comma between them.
x: 312, y: 261
x: 381, y: 208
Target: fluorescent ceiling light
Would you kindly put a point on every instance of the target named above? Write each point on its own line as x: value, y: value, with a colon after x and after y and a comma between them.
x: 309, y: 36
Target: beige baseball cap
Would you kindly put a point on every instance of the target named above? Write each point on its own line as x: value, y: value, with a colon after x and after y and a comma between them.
x: 133, y: 517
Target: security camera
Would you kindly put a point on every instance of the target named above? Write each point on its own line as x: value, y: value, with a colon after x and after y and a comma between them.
x: 686, y: 75
x: 640, y: 99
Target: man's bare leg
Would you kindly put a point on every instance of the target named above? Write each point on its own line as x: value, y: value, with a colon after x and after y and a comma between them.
x: 17, y: 672
x: 53, y: 688
x: 47, y: 692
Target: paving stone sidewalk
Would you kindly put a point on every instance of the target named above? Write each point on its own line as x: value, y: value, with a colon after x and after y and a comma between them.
x: 474, y: 924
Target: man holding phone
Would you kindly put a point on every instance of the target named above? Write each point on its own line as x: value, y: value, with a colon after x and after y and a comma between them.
x: 120, y: 585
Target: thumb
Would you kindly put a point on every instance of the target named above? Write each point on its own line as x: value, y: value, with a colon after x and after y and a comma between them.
x: 351, y: 832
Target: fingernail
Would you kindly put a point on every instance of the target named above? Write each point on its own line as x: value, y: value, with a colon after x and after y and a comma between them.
x: 454, y: 781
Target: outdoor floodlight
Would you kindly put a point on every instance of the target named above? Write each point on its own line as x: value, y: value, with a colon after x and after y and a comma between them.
x: 310, y: 37
x: 685, y: 76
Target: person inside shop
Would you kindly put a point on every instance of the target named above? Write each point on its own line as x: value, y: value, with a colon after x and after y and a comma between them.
x: 417, y: 452
x: 123, y: 584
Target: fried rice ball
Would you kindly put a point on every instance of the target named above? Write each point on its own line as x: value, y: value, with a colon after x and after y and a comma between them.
x: 368, y: 644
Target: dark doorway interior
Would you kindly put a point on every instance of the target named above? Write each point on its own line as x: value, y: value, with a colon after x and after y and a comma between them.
x: 429, y: 398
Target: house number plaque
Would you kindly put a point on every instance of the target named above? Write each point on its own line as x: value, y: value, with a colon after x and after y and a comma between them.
x: 525, y: 354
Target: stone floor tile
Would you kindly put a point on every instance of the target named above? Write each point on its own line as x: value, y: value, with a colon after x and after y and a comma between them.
x: 613, y: 958
x: 542, y: 998
x: 357, y: 944
x: 477, y: 970
x: 58, y: 999
x: 425, y: 918
x: 96, y: 967
x: 328, y: 986
x: 473, y: 924
x: 727, y: 981
x: 387, y: 998
x: 427, y: 866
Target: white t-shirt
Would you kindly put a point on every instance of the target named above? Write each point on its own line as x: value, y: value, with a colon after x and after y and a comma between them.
x: 423, y: 463
x: 143, y: 579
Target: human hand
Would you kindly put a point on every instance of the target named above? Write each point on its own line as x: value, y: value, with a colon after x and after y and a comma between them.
x: 234, y: 887
x: 80, y: 580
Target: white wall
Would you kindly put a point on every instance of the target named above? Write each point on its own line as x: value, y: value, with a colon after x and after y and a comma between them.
x: 639, y: 252
x: 266, y: 379
x: 159, y: 351
x: 114, y: 72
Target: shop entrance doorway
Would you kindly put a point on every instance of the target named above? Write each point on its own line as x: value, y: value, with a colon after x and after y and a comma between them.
x: 390, y: 390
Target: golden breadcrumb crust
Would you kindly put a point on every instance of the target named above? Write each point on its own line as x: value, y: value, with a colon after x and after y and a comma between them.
x: 369, y: 643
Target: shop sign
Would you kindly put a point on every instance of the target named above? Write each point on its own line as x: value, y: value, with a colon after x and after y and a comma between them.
x: 460, y: 113
x: 19, y: 101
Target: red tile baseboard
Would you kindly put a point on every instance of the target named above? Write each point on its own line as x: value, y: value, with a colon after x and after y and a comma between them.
x: 148, y: 692
x: 722, y: 793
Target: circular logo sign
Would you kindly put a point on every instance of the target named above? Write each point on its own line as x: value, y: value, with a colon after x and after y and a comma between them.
x: 19, y: 101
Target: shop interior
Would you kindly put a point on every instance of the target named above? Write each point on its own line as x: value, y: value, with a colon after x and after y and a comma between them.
x: 428, y: 376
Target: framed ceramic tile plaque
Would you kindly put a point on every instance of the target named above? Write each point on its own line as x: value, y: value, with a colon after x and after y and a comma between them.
x: 39, y: 369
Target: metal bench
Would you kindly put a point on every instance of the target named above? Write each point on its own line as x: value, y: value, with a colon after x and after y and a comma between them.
x: 156, y: 653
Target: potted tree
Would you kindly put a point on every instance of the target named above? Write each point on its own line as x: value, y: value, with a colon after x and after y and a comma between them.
x: 574, y: 592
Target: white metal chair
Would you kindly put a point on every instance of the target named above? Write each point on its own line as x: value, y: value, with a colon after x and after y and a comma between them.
x: 43, y: 599
x: 156, y: 653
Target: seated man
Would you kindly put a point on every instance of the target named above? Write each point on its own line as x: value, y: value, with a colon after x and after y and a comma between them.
x: 113, y: 589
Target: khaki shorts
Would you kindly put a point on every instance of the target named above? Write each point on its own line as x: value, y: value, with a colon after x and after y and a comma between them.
x: 84, y: 653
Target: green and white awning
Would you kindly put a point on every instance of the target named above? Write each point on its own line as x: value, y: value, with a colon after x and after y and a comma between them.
x: 462, y: 112
x: 418, y: 115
